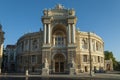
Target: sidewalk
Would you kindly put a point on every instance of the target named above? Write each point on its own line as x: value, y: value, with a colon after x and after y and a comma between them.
x: 81, y: 75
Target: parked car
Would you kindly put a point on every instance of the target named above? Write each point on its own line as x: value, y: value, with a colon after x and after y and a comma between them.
x: 100, y: 71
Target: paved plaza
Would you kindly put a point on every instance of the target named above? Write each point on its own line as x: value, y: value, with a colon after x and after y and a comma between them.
x: 108, y: 75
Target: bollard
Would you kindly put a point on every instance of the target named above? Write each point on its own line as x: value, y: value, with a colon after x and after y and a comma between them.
x: 26, y: 73
x: 0, y: 70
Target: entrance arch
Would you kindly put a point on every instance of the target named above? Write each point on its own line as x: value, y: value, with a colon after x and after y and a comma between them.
x: 59, y: 62
x: 59, y: 37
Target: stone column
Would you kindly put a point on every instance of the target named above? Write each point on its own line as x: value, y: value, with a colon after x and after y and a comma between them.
x: 1, y: 53
x: 69, y: 33
x: 54, y: 40
x: 95, y: 45
x: 29, y: 47
x: 44, y: 33
x: 91, y: 44
x: 0, y: 62
x: 49, y: 33
x: 64, y: 41
x: 73, y: 35
x: 102, y: 46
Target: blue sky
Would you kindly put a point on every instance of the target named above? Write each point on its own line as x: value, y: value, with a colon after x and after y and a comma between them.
x: 100, y: 16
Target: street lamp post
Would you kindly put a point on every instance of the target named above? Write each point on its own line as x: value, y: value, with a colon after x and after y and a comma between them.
x: 0, y: 64
x: 27, y: 70
x: 90, y: 57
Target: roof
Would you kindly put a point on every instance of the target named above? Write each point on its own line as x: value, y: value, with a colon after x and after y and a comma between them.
x: 10, y: 46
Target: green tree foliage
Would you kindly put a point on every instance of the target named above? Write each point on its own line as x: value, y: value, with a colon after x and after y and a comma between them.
x: 108, y: 56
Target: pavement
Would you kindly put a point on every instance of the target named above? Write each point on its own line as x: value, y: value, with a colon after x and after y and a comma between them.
x: 108, y: 75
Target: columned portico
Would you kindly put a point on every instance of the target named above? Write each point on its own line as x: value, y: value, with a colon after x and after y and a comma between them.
x: 71, y: 32
x: 47, y: 35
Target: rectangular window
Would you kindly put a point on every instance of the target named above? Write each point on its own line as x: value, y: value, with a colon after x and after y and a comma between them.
x: 84, y: 58
x: 56, y: 39
x: 62, y: 39
x: 59, y: 41
x: 33, y: 59
x: 98, y: 58
x: 20, y: 59
x: 93, y: 58
x: 59, y: 38
x: 102, y: 60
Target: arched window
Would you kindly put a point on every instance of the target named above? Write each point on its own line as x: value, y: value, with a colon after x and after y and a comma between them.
x: 85, y: 44
x: 26, y: 45
x: 34, y: 44
x: 85, y: 58
x: 59, y: 35
x: 59, y: 41
x: 93, y: 44
x: 11, y: 57
x: 22, y: 45
x: 97, y: 46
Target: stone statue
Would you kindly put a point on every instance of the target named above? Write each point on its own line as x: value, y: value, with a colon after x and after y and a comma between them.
x: 73, y: 63
x: 72, y: 12
x: 46, y: 63
x: 45, y: 70
x: 59, y: 6
x: 45, y: 12
x: 72, y: 69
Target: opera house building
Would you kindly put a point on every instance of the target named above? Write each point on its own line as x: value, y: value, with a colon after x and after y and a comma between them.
x: 59, y: 47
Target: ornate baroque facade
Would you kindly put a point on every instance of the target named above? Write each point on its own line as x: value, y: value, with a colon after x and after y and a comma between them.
x: 61, y: 44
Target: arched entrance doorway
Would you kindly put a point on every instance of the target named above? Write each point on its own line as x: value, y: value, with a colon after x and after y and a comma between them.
x: 108, y: 67
x: 59, y: 60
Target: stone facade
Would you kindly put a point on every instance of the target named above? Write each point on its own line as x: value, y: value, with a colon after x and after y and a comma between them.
x: 109, y: 65
x: 61, y: 44
x: 1, y: 45
x: 10, y: 58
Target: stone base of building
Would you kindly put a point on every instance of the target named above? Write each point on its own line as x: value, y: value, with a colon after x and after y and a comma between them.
x: 45, y: 71
x: 72, y: 71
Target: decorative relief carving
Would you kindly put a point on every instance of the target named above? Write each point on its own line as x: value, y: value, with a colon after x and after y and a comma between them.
x: 47, y: 12
x: 46, y: 21
x: 34, y: 44
x: 71, y: 20
x: 59, y: 22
